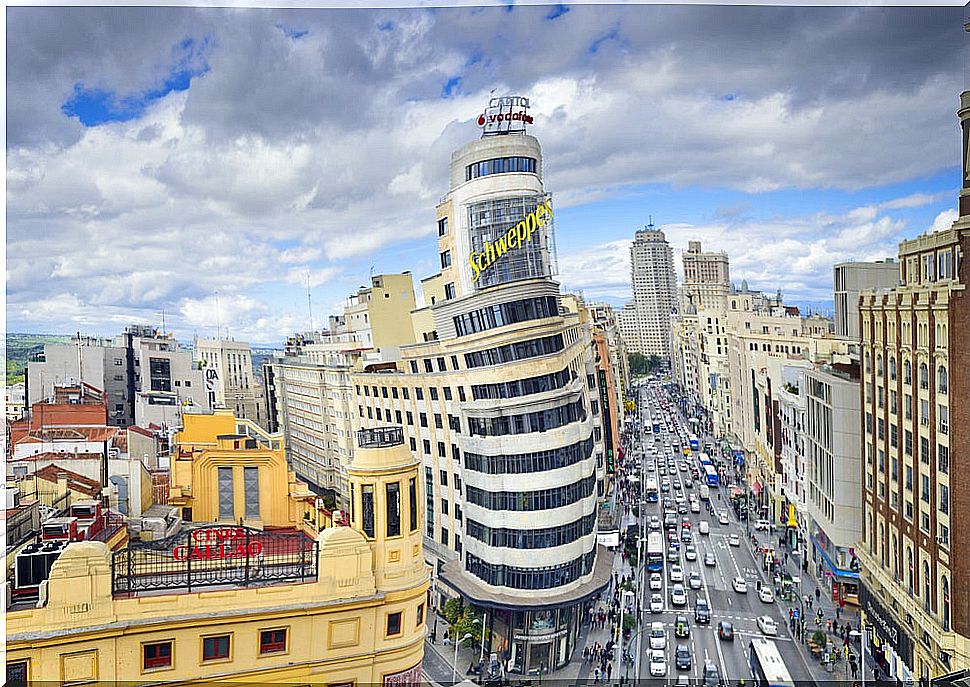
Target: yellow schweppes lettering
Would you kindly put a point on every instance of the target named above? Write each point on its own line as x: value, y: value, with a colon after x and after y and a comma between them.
x: 516, y: 237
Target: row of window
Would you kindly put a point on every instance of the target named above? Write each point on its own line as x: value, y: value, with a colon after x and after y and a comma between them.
x: 523, y: 310
x: 524, y: 387
x: 523, y: 350
x: 499, y: 165
x: 525, y: 423
x: 543, y: 499
x: 942, y: 377
x: 534, y: 461
x: 429, y: 366
x: 544, y: 538
x: 531, y: 578
x: 392, y: 506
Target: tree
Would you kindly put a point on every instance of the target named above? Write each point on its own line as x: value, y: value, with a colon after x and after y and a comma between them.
x: 461, y: 620
x: 641, y: 365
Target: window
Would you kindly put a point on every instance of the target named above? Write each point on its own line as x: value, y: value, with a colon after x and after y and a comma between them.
x: 215, y: 648
x: 434, y: 393
x: 944, y: 414
x: 437, y: 421
x: 501, y: 165
x: 892, y: 368
x: 445, y: 259
x: 16, y: 674
x: 944, y: 499
x: 418, y: 391
x: 907, y: 372
x: 161, y: 374
x: 449, y: 290
x: 273, y: 641
x: 444, y: 536
x: 393, y: 493
x: 441, y: 449
x: 393, y: 392
x: 226, y: 506
x: 441, y: 364
x: 420, y: 616
x: 444, y: 506
x: 447, y: 391
x: 443, y: 226
x: 461, y: 390
x: 367, y: 509
x: 157, y: 655
x: 426, y: 444
x: 423, y: 417
x: 251, y: 488
x: 428, y: 367
x: 414, y: 367
x: 443, y: 475
x: 942, y: 382
x: 414, y: 444
x: 413, y: 504
x: 943, y: 462
x: 924, y: 376
x: 119, y: 362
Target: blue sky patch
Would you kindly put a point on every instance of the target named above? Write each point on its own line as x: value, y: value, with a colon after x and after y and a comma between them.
x: 386, y: 26
x: 557, y: 12
x: 451, y: 87
x: 94, y: 106
x: 595, y: 45
x: 292, y: 33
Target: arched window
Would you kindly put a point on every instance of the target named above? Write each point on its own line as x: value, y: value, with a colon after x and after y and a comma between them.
x: 896, y: 558
x: 882, y: 543
x: 879, y: 370
x: 892, y: 368
x: 946, y: 604
x: 910, y: 571
x: 924, y: 376
x: 927, y: 591
x: 943, y: 380
x: 868, y: 361
x: 907, y: 372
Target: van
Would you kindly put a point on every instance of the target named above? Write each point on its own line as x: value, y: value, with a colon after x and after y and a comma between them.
x: 763, y: 526
x: 704, y: 527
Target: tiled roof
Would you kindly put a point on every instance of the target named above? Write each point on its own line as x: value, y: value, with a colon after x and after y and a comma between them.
x: 75, y: 481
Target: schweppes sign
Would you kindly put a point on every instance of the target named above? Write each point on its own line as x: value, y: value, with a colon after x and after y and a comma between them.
x: 516, y: 237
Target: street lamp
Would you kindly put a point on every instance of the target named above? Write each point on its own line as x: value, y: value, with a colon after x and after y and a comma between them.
x: 454, y: 664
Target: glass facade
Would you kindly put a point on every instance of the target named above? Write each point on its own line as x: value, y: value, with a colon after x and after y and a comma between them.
x: 500, y: 165
x: 523, y: 350
x: 539, y: 421
x: 543, y: 538
x: 524, y: 387
x: 531, y: 578
x: 543, y: 499
x: 503, y: 314
x: 490, y: 220
x: 535, y: 461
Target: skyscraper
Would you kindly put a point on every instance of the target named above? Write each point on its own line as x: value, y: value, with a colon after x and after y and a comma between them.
x: 707, y: 277
x: 654, y: 291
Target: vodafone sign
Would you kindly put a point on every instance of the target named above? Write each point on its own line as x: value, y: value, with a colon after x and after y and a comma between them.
x: 505, y: 115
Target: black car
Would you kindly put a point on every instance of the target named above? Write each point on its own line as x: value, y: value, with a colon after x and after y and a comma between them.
x: 712, y: 678
x: 702, y: 612
x: 682, y: 657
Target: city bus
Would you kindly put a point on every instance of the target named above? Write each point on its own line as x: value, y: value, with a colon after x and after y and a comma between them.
x: 710, y: 475
x: 655, y: 552
x: 695, y: 443
x: 656, y: 428
x: 767, y: 667
x: 652, y: 492
x: 705, y: 459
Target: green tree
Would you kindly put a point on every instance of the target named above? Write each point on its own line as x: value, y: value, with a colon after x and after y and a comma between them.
x: 641, y: 365
x: 461, y: 621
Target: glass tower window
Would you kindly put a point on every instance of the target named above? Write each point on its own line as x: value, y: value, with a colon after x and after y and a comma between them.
x: 500, y: 165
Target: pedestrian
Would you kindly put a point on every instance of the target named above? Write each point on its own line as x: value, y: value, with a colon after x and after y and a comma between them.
x: 596, y: 675
x: 818, y: 594
x: 835, y: 626
x: 838, y: 611
x: 609, y: 670
x: 828, y: 625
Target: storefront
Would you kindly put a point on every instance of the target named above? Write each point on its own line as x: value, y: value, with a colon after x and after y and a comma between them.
x: 843, y: 580
x: 892, y: 648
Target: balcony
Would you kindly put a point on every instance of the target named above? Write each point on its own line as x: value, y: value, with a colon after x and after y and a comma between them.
x: 380, y: 437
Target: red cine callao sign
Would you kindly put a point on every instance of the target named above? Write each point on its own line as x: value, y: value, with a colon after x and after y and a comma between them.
x: 215, y: 543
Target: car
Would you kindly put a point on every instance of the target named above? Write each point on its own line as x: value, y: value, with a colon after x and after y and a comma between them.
x: 681, y: 507
x: 665, y: 486
x: 679, y: 498
x: 694, y: 580
x: 668, y: 503
x: 658, y: 663
x: 682, y: 681
x: 676, y: 573
x: 673, y: 554
x: 712, y: 678
x: 670, y: 521
x: 682, y: 657
x: 678, y: 485
x: 681, y: 626
x: 767, y: 625
x: 740, y: 586
x: 678, y: 597
x: 688, y: 483
x: 734, y: 540
x: 710, y: 560
x: 690, y: 552
x: 723, y: 518
x: 651, y: 467
x: 725, y: 631
x: 656, y: 604
x: 695, y: 507
x: 654, y: 522
x: 656, y: 582
x: 704, y: 527
x: 685, y: 523
x: 702, y: 612
x: 686, y: 536
x: 658, y: 636
x: 661, y: 470
x: 763, y: 525
x: 671, y: 535
x: 766, y: 595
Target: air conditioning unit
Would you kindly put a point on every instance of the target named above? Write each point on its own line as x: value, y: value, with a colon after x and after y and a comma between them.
x: 42, y: 594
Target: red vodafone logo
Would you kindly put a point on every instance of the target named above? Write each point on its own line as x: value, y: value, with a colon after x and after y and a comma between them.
x: 481, y: 120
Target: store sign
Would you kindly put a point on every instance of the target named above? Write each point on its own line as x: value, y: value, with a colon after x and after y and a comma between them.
x: 508, y: 114
x: 215, y: 543
x: 516, y: 237
x: 885, y: 626
x: 411, y: 676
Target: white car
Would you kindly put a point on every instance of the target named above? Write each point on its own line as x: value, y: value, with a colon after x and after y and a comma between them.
x: 656, y: 582
x: 658, y: 663
x: 695, y: 507
x: 678, y: 597
x: 704, y: 527
x: 723, y: 518
x: 766, y: 595
x: 740, y: 586
x: 690, y: 553
x: 656, y: 604
x: 676, y: 573
x: 767, y: 625
x: 658, y: 636
x: 734, y: 540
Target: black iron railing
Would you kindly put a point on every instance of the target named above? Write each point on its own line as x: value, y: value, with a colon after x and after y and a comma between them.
x: 380, y: 437
x: 215, y: 555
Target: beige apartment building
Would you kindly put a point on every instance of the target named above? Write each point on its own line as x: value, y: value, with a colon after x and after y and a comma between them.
x: 915, y: 548
x: 228, y: 369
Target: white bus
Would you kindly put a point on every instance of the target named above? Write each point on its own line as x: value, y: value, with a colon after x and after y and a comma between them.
x: 655, y: 552
x: 651, y: 493
x: 767, y: 667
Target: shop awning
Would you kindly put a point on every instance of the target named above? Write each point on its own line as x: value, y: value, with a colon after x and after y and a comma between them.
x: 838, y: 572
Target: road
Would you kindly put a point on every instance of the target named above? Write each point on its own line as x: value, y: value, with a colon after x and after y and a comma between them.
x: 741, y: 610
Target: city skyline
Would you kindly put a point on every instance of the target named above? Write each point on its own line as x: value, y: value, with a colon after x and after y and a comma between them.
x: 227, y: 152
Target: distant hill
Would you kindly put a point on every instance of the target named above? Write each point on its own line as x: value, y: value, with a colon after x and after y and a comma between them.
x: 22, y: 347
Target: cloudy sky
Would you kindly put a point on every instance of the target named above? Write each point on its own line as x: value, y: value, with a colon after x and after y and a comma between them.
x: 203, y: 162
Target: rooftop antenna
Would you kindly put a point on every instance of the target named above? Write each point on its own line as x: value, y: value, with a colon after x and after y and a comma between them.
x: 163, y: 323
x: 650, y: 225
x: 309, y: 304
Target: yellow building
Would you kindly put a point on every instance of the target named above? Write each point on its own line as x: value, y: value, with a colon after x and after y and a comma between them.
x: 231, y: 604
x: 222, y: 472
